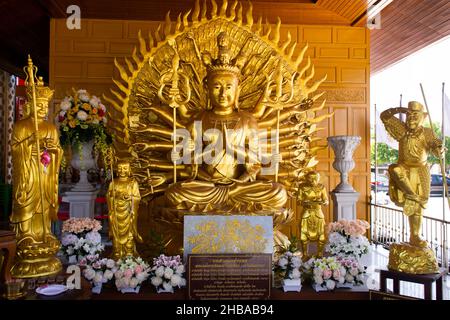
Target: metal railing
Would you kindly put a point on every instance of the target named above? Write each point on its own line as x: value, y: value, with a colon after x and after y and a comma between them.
x: 390, y: 225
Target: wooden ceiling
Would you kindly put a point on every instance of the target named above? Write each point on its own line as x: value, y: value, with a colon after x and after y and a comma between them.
x: 407, y: 25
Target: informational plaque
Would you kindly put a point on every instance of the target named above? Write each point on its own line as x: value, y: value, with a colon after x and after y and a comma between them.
x: 380, y: 295
x: 229, y: 276
x: 227, y: 234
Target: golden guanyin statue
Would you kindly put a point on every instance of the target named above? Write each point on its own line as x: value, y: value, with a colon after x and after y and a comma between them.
x: 409, y: 184
x: 123, y: 205
x: 312, y: 195
x: 238, y: 101
x: 36, y: 160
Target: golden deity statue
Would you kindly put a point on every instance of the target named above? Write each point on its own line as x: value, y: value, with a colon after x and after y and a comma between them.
x: 123, y: 206
x: 221, y: 183
x: 240, y: 104
x: 311, y: 196
x: 36, y: 155
x: 409, y: 184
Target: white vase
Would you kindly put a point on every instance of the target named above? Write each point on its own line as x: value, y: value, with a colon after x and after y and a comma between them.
x: 83, y: 164
x: 318, y: 287
x: 130, y: 290
x: 343, y: 147
x: 292, y: 285
x: 162, y: 290
x: 344, y: 285
x: 97, y: 287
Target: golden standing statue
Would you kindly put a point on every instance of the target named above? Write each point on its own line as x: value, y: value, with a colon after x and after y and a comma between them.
x: 36, y: 162
x: 123, y: 205
x: 252, y: 94
x: 311, y: 196
x: 409, y: 184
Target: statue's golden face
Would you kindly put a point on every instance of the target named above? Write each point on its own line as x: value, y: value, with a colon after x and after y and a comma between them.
x: 414, y: 119
x: 42, y: 108
x: 222, y: 90
x: 123, y: 170
x: 313, y: 179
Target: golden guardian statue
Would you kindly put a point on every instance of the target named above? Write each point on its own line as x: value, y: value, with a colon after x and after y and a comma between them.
x: 311, y: 196
x: 409, y: 184
x: 217, y: 116
x: 36, y: 155
x: 123, y: 206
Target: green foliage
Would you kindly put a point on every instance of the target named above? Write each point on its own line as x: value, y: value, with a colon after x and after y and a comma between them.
x: 386, y: 154
x: 155, y: 246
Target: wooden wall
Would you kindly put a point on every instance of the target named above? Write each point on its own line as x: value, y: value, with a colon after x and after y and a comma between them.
x: 84, y: 59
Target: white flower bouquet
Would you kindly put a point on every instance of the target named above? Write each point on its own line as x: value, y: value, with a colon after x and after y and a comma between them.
x: 131, y: 272
x: 346, y: 238
x: 167, y: 273
x: 80, y: 241
x: 287, y: 267
x: 100, y: 271
x: 355, y: 272
x: 326, y: 273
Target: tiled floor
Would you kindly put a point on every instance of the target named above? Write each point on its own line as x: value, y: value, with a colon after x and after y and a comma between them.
x: 378, y: 258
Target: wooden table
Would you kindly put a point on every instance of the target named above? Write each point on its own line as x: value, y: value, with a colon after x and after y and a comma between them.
x: 147, y: 292
x: 8, y: 246
x: 425, y: 279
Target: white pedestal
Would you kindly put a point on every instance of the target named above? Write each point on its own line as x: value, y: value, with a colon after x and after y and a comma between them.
x: 82, y: 203
x: 344, y: 205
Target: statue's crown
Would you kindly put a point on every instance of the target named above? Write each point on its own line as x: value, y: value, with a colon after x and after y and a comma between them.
x: 223, y: 63
x: 42, y: 92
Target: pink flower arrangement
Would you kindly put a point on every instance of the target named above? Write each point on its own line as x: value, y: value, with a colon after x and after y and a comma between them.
x: 79, y: 225
x: 349, y: 227
x: 167, y: 273
x: 131, y: 272
x: 346, y: 238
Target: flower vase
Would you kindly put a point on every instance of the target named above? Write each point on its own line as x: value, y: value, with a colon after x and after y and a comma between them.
x: 130, y: 290
x: 344, y: 285
x: 83, y: 160
x: 318, y: 287
x: 97, y: 287
x: 292, y: 285
x: 162, y: 290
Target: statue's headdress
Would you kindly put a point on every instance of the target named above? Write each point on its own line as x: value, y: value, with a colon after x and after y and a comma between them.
x: 223, y: 63
x: 42, y: 92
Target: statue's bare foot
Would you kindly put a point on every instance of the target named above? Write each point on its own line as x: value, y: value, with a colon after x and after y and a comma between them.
x: 416, y: 241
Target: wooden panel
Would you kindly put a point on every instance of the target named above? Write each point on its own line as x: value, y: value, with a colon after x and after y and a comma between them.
x: 89, y: 46
x: 350, y: 10
x: 317, y: 35
x: 107, y: 29
x: 69, y: 69
x: 359, y: 53
x: 100, y: 70
x: 408, y: 26
x: 353, y: 75
x: 353, y: 35
x: 332, y: 52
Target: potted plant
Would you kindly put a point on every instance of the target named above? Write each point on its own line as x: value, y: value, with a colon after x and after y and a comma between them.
x: 167, y: 273
x: 287, y: 266
x: 131, y: 272
x: 81, y: 241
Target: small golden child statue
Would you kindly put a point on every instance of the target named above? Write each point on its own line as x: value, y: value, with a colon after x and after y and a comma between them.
x: 312, y: 195
x: 123, y: 205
